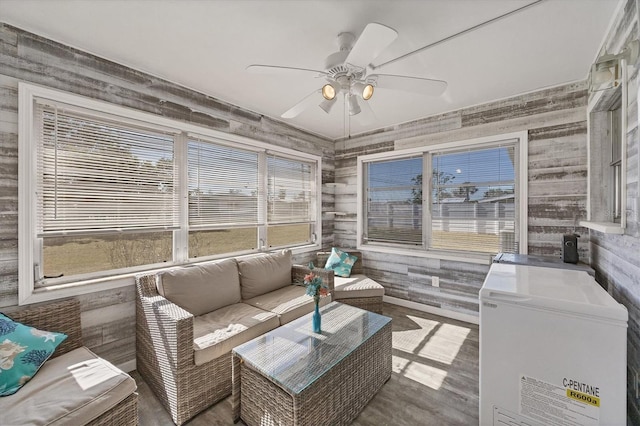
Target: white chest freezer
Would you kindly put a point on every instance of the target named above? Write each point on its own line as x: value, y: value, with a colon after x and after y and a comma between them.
x: 553, y: 349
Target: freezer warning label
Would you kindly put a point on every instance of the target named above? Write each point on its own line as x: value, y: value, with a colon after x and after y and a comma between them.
x: 569, y: 403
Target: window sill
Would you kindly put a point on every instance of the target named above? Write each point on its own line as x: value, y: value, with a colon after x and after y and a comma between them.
x: 52, y: 292
x: 477, y: 258
x: 604, y: 227
x: 86, y: 286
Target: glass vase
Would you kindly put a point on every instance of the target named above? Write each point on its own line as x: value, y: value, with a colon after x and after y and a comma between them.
x: 317, y: 319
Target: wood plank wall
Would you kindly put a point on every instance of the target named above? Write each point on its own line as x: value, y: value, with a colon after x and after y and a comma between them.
x: 616, y: 258
x: 556, y: 123
x: 108, y: 316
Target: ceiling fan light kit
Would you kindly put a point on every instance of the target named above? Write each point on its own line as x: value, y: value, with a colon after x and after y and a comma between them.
x: 348, y: 72
x: 365, y: 90
x: 327, y: 104
x: 354, y: 107
x: 328, y: 91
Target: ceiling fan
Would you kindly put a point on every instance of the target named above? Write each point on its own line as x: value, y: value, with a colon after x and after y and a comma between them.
x: 350, y: 72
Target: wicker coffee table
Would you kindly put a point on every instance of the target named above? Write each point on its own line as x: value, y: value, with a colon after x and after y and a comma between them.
x: 291, y: 376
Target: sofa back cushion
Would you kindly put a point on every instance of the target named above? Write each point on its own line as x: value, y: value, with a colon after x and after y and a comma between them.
x: 262, y: 274
x: 200, y: 289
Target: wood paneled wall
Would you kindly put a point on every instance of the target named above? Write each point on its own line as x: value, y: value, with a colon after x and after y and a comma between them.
x: 556, y: 123
x: 108, y: 317
x: 616, y: 258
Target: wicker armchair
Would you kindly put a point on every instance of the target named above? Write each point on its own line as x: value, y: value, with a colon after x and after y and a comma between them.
x: 64, y: 316
x: 165, y: 354
x: 370, y: 303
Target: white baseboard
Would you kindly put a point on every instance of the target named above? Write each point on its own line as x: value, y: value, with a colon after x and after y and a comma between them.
x: 472, y: 319
x: 127, y: 366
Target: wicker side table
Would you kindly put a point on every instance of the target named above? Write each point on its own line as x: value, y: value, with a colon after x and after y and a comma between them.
x: 291, y: 376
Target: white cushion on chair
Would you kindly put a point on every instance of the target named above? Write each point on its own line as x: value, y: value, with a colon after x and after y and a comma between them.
x: 201, y: 289
x: 262, y: 274
x: 356, y: 286
x: 216, y: 333
x: 289, y: 303
x: 71, y: 389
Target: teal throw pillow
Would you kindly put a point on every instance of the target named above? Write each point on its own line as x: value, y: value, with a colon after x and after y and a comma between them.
x: 23, y: 350
x: 340, y: 262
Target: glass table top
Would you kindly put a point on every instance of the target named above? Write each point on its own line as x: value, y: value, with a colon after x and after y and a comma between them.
x: 294, y: 357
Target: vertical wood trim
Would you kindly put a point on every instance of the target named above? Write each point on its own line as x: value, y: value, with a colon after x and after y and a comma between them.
x: 317, y: 203
x: 360, y: 198
x: 623, y: 158
x: 427, y: 200
x: 26, y: 203
x: 181, y: 236
x: 523, y: 191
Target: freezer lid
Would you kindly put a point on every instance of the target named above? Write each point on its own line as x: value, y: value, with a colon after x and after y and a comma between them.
x: 550, y: 288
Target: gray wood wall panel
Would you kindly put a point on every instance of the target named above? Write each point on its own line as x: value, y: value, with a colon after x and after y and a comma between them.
x: 8, y: 188
x: 108, y: 317
x: 616, y: 258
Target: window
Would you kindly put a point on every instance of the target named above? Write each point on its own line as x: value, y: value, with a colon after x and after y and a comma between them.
x: 290, y: 201
x: 615, y: 142
x: 473, y: 190
x: 607, y: 160
x: 394, y: 201
x: 115, y: 191
x: 105, y: 194
x: 223, y: 199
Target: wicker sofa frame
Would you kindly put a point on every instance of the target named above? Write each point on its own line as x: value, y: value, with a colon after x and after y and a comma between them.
x: 64, y: 316
x: 165, y: 354
x: 373, y: 304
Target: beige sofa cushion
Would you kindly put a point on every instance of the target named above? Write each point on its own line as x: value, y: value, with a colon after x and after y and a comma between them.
x: 216, y: 333
x: 204, y: 288
x: 262, y: 274
x: 356, y: 286
x: 289, y: 302
x: 72, y: 389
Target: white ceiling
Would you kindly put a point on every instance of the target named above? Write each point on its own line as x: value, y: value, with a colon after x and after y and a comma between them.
x: 206, y: 46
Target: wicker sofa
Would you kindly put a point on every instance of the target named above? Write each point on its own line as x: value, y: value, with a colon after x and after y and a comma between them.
x: 59, y: 393
x: 357, y: 289
x: 188, y: 319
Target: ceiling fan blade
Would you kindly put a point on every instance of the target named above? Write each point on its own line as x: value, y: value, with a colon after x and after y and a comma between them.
x: 371, y: 42
x: 306, y: 102
x: 426, y: 86
x: 275, y: 69
x: 366, y: 115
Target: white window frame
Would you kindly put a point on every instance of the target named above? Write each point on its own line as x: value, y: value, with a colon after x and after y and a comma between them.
x: 423, y: 251
x: 599, y: 203
x: 29, y: 247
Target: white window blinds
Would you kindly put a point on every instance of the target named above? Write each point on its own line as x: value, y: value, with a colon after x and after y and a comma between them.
x: 474, y: 200
x: 223, y: 185
x: 394, y: 201
x: 291, y: 190
x: 97, y: 176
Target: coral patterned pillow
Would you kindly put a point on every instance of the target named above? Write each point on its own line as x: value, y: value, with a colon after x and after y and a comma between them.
x: 23, y: 350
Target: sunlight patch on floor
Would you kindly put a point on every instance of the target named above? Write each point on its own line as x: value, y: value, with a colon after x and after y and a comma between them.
x: 445, y: 343
x: 424, y: 374
x: 432, y: 340
x: 410, y: 340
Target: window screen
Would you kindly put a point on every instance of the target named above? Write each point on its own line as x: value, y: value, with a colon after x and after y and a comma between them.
x: 473, y: 200
x: 290, y: 201
x: 97, y: 176
x: 394, y: 201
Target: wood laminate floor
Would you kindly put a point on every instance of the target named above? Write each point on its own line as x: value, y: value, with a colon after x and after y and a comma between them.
x: 434, y: 379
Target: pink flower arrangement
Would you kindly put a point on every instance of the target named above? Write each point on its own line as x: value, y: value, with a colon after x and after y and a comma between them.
x: 315, y: 286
